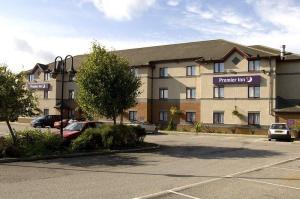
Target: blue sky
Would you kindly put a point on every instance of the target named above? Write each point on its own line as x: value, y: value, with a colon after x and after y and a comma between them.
x: 38, y: 30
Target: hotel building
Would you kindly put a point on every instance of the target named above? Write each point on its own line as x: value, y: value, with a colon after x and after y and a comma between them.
x: 216, y: 82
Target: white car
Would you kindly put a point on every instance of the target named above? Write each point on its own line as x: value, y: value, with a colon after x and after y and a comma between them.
x: 150, y: 128
x: 279, y: 131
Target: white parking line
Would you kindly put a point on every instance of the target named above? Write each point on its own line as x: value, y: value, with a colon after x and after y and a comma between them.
x: 181, y: 194
x: 289, y: 169
x: 215, y: 179
x: 269, y: 183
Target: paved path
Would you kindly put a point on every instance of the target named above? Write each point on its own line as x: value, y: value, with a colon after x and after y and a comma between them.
x: 187, y: 166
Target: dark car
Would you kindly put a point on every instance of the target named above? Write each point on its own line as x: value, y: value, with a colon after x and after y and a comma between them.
x: 45, y: 120
x: 75, y: 129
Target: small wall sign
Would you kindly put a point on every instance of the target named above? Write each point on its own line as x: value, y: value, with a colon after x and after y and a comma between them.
x: 254, y: 79
x: 38, y: 86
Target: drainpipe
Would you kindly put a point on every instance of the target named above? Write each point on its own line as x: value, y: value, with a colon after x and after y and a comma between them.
x: 271, y: 89
x: 151, y: 113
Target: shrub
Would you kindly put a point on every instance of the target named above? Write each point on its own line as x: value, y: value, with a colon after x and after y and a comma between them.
x: 90, y: 139
x: 198, y: 127
x: 31, y: 143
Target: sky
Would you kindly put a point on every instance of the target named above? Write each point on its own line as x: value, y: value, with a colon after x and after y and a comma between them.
x: 36, y: 31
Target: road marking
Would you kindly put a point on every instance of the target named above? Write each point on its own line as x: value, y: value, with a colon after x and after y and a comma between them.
x: 269, y: 183
x: 286, y: 169
x: 215, y: 179
x: 181, y: 194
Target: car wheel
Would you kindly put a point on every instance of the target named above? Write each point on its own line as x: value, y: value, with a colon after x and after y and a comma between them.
x: 269, y: 139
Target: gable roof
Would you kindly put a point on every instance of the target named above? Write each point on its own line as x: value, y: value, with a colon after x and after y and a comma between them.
x: 202, y: 50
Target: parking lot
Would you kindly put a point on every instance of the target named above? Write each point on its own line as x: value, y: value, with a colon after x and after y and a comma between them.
x: 186, y: 166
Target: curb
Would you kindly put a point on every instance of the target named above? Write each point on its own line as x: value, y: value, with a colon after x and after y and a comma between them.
x: 72, y: 155
x: 211, y: 134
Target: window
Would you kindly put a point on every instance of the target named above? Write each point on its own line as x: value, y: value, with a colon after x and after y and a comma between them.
x: 219, y: 92
x: 218, y: 117
x: 31, y: 77
x: 163, y: 72
x: 135, y: 71
x: 254, y: 118
x: 163, y: 93
x: 47, y: 76
x: 254, y: 91
x: 163, y: 116
x: 71, y: 113
x: 132, y: 115
x: 71, y: 94
x: 46, y: 94
x: 46, y: 111
x: 254, y: 65
x: 190, y: 116
x: 190, y: 93
x: 219, y: 67
x: 190, y: 70
x: 71, y: 77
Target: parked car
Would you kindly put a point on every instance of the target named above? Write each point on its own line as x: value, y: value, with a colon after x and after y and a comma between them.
x: 75, y: 129
x: 279, y: 131
x: 57, y: 124
x: 150, y: 128
x: 44, y: 121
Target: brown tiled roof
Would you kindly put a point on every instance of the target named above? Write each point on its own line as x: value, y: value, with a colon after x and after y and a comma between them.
x: 207, y: 50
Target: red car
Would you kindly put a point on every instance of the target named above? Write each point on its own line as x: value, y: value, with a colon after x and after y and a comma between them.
x: 75, y: 129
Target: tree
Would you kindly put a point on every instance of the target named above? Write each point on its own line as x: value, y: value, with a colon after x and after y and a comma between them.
x: 107, y: 86
x: 174, y: 113
x: 16, y: 99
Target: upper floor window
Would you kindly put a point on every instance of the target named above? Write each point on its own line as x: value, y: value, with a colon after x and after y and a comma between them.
x: 132, y: 115
x: 71, y: 94
x: 163, y: 93
x: 71, y: 77
x: 190, y: 93
x: 47, y: 76
x: 31, y: 77
x: 219, y: 92
x: 163, y: 116
x: 46, y: 94
x: 219, y: 67
x: 163, y: 72
x: 218, y: 118
x: 254, y: 65
x: 254, y: 91
x: 190, y: 116
x: 191, y: 70
x: 254, y: 118
x: 135, y: 71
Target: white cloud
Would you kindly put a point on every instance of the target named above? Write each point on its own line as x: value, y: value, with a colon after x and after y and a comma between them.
x: 173, y: 2
x: 121, y: 10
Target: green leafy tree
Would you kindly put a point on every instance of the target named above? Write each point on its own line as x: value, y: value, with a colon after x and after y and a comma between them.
x: 16, y: 99
x: 107, y: 86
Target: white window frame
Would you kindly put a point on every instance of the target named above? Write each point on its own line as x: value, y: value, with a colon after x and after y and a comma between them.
x: 163, y: 93
x: 47, y: 76
x: 254, y: 91
x: 219, y: 67
x: 218, y: 91
x: 190, y: 93
x: 31, y: 77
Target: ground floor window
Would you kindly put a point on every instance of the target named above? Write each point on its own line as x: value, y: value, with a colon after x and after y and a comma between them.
x: 132, y: 115
x: 71, y: 113
x: 163, y: 116
x: 218, y: 117
x: 190, y: 116
x: 46, y: 111
x: 254, y: 118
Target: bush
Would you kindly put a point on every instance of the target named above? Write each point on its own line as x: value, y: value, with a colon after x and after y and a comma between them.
x: 198, y: 127
x: 109, y: 137
x: 90, y: 139
x: 31, y: 143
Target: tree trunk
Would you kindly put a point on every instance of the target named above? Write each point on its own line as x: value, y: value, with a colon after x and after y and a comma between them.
x: 115, y: 119
x: 11, y: 132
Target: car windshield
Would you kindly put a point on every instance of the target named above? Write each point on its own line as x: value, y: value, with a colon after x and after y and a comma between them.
x: 76, y: 126
x: 39, y: 118
x: 278, y: 126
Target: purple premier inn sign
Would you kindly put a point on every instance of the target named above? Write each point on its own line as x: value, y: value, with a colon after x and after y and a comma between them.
x: 38, y: 86
x: 254, y: 79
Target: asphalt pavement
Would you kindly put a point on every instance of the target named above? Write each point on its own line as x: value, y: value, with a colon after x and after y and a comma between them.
x: 186, y: 166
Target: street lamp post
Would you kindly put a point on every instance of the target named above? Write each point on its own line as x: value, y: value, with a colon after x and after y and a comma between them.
x: 60, y: 68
